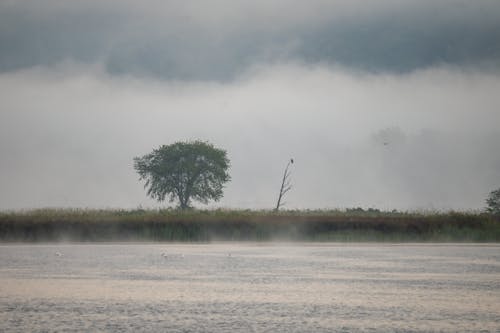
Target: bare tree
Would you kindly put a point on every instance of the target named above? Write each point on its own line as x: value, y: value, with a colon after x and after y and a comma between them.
x: 285, y: 185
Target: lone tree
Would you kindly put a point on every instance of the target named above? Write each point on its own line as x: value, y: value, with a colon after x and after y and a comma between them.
x: 285, y: 185
x: 184, y: 171
x: 493, y: 202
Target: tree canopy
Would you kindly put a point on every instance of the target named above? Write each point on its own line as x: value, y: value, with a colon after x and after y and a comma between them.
x: 493, y: 202
x: 184, y: 171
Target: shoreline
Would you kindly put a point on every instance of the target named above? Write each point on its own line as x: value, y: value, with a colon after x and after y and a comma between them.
x: 101, y: 226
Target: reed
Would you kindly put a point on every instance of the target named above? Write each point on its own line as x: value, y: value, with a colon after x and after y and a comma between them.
x: 49, y: 225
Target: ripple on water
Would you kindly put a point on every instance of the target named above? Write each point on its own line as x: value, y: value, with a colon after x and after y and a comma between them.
x: 306, y: 288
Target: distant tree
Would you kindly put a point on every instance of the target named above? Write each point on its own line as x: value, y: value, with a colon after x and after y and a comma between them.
x: 389, y: 136
x: 184, y: 171
x: 493, y: 202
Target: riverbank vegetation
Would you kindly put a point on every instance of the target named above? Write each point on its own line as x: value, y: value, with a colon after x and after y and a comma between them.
x: 48, y: 225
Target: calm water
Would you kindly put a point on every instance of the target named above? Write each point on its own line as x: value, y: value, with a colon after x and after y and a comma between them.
x: 250, y: 288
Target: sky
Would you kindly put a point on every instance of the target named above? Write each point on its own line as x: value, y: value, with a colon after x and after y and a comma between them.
x: 390, y: 104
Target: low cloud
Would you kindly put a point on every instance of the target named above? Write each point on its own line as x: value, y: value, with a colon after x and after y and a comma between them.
x: 426, y: 139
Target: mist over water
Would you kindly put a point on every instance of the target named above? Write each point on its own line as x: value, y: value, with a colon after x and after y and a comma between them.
x: 235, y: 287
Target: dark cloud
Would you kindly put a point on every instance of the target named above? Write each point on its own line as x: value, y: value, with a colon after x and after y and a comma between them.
x: 221, y: 39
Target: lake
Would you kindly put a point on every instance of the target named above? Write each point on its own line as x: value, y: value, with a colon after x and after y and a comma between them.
x: 246, y: 287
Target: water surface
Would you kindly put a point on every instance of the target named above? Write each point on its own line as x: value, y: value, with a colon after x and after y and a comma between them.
x: 230, y: 287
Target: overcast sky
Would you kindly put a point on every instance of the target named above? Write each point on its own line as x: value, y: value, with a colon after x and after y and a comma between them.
x: 388, y: 104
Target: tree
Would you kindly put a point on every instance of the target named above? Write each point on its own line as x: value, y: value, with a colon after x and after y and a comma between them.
x: 493, y: 202
x: 184, y: 171
x: 285, y: 185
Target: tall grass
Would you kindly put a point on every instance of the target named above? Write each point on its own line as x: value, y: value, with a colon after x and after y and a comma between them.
x: 241, y: 225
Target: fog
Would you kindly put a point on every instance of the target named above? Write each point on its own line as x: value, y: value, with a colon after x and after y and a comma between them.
x: 423, y: 140
x: 392, y: 105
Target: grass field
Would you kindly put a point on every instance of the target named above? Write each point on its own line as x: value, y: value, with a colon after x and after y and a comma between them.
x: 47, y: 225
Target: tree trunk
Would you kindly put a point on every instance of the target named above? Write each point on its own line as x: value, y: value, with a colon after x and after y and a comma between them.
x: 184, y: 201
x: 285, y: 185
